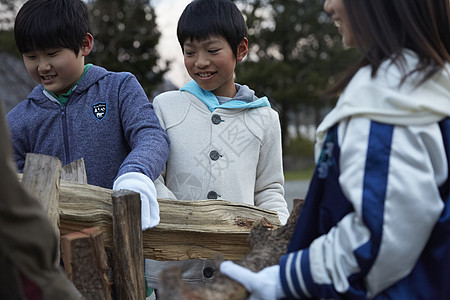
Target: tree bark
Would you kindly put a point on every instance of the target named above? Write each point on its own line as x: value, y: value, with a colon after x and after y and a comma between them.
x: 85, y: 263
x: 129, y: 280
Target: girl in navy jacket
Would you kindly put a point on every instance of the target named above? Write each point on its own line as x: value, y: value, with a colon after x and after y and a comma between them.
x: 376, y: 219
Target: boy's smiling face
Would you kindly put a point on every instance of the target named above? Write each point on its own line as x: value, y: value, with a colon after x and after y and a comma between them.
x: 57, y: 69
x: 211, y: 64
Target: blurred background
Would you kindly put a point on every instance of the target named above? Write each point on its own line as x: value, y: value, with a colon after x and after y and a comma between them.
x: 295, y: 54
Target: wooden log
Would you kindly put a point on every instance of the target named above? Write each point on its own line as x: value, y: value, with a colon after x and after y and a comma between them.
x: 83, y: 205
x: 41, y: 178
x: 183, y: 233
x: 200, y: 229
x: 128, y: 253
x: 85, y: 263
x: 267, y: 246
x: 75, y: 172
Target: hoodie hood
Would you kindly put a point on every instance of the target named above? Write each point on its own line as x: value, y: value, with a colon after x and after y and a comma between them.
x: 92, y: 76
x: 244, y: 98
x: 382, y: 99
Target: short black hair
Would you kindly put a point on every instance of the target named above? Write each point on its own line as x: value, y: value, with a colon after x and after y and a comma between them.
x: 44, y: 24
x: 202, y: 19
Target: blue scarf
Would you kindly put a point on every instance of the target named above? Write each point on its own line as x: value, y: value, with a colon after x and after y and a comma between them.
x: 212, y: 103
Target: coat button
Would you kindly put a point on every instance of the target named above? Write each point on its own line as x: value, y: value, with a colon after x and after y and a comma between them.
x: 212, y: 195
x: 216, y: 119
x: 214, y: 155
x: 208, y: 272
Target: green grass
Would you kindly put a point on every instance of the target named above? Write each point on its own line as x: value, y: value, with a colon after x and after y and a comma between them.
x: 305, y: 174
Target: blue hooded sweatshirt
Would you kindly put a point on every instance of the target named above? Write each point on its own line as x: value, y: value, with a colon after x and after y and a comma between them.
x: 107, y: 120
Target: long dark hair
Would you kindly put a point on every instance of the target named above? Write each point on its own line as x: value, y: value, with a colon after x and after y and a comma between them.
x: 384, y: 28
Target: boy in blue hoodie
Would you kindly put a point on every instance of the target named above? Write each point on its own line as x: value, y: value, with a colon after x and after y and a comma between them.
x: 84, y: 111
x: 225, y: 141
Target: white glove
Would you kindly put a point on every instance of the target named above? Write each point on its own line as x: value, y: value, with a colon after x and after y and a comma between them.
x: 264, y: 285
x: 140, y: 183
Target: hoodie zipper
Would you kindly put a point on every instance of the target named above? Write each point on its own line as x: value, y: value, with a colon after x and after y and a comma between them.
x: 65, y: 134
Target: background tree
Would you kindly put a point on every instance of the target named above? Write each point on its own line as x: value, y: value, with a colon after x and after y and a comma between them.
x: 125, y: 39
x: 8, y: 10
x: 295, y: 53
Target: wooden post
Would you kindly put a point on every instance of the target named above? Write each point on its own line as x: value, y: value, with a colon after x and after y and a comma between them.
x: 129, y: 277
x: 86, y: 264
x: 41, y: 176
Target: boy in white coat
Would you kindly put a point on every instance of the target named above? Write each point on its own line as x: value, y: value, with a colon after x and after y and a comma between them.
x: 225, y: 141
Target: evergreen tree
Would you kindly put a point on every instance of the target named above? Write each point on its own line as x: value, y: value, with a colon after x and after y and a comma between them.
x: 125, y: 39
x: 8, y: 11
x: 295, y: 52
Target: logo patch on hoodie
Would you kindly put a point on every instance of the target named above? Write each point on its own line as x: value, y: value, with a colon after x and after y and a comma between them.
x: 99, y: 110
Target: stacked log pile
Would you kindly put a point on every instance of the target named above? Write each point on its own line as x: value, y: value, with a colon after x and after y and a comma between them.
x: 96, y: 219
x: 188, y: 229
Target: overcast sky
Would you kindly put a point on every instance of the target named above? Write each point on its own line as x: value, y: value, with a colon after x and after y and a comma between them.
x: 168, y: 12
